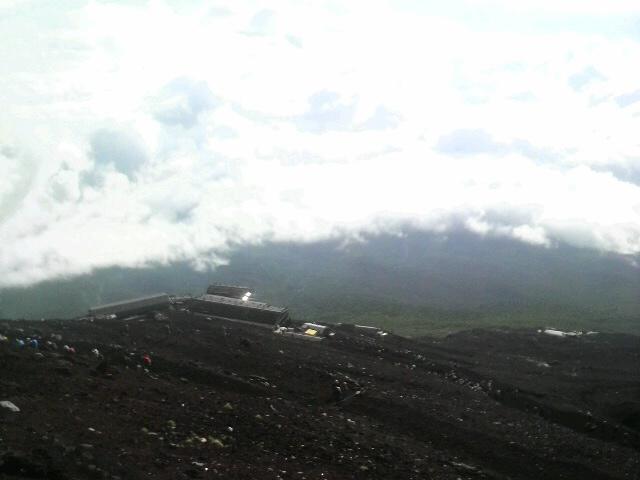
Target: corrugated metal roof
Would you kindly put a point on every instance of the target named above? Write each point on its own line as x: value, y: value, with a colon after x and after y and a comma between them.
x: 241, y: 303
x: 161, y: 298
x: 232, y: 291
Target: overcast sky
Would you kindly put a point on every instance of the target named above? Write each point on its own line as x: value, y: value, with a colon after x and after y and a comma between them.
x: 141, y: 132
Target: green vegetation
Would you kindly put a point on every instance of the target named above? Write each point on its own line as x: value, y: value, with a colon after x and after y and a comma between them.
x: 413, y: 284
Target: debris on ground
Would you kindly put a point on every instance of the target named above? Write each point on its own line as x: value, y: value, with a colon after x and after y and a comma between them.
x: 231, y: 400
x: 9, y: 406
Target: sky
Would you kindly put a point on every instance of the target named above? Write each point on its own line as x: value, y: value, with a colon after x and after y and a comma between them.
x: 146, y: 132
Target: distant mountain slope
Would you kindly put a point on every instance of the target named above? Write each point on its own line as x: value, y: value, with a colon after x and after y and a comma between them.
x: 414, y: 283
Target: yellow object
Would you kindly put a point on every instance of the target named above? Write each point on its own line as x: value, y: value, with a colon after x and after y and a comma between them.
x: 311, y: 331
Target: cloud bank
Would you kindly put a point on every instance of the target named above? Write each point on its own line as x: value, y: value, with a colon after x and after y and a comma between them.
x: 163, y: 131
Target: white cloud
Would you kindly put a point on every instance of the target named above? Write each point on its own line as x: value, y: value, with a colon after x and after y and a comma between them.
x: 568, y: 7
x: 182, y: 101
x: 160, y: 132
x: 16, y: 170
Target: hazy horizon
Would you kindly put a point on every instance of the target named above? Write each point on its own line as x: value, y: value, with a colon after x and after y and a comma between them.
x: 138, y: 133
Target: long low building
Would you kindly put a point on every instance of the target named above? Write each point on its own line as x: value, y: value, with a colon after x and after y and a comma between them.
x: 132, y: 306
x: 219, y: 306
x: 231, y: 291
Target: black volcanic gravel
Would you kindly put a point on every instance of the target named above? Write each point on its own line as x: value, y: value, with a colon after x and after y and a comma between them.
x: 226, y: 400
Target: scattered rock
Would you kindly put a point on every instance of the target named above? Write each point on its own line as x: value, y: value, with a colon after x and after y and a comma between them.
x: 216, y: 442
x: 12, y: 407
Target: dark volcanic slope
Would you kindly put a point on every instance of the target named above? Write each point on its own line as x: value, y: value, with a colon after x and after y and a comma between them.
x: 225, y: 400
x: 417, y: 283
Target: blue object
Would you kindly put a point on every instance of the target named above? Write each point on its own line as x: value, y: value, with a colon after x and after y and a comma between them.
x: 19, y: 343
x: 33, y: 343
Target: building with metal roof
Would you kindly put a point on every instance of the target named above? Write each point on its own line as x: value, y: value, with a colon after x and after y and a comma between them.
x: 231, y: 291
x: 132, y: 306
x: 238, y: 309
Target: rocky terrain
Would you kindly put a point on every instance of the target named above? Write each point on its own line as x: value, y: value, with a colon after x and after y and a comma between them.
x: 189, y: 397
